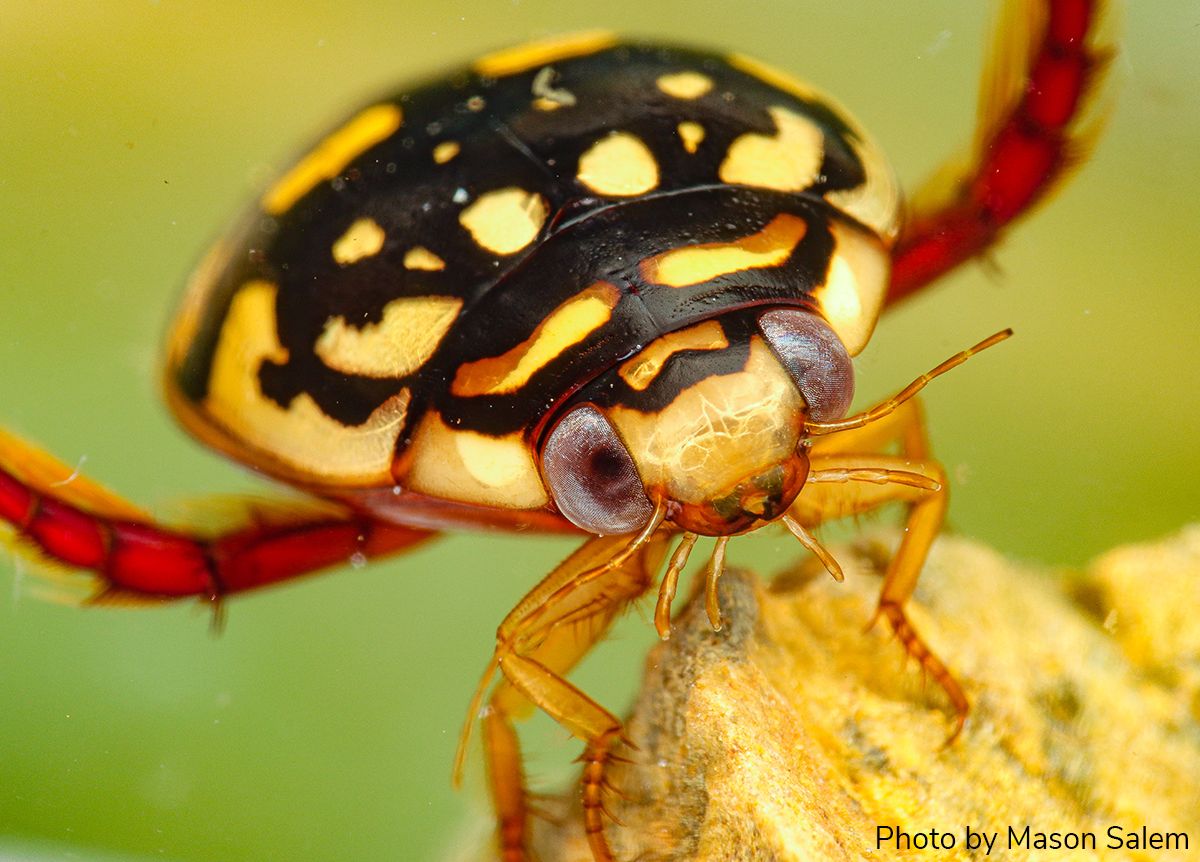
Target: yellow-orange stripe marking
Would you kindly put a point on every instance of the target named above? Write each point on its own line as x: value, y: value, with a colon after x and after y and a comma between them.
x: 640, y: 371
x: 331, y: 155
x: 300, y: 436
x: 409, y: 332
x: 694, y: 264
x: 523, y: 57
x: 563, y: 328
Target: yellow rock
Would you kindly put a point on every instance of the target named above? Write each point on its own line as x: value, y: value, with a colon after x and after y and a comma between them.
x: 792, y: 735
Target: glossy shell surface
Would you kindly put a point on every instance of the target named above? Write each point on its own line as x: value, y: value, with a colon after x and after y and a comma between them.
x: 408, y: 305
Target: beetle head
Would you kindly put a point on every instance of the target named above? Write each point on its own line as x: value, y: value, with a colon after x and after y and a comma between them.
x: 707, y: 422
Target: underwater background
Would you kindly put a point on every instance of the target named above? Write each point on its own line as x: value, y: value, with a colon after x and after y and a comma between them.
x: 322, y: 722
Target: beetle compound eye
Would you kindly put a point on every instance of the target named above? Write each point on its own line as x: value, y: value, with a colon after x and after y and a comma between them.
x: 816, y: 359
x: 592, y: 476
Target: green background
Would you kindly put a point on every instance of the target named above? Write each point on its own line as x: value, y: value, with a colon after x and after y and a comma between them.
x: 321, y: 724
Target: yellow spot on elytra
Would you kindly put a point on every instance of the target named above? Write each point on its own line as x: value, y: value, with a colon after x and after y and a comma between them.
x: 402, y: 341
x: 640, y: 371
x: 692, y: 135
x: 694, y: 264
x: 563, y: 328
x: 445, y: 151
x: 684, y: 85
x: 852, y: 295
x: 716, y: 432
x: 331, y: 155
x: 506, y: 220
x: 539, y: 53
x: 419, y: 257
x: 619, y: 165
x: 469, y: 467
x: 876, y: 201
x: 788, y: 161
x: 300, y: 437
x: 541, y: 103
x: 362, y: 239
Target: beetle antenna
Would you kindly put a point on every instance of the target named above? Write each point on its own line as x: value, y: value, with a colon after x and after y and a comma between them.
x: 883, y: 408
x: 809, y: 541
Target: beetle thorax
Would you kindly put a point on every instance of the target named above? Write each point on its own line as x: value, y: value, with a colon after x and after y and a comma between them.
x: 707, y: 423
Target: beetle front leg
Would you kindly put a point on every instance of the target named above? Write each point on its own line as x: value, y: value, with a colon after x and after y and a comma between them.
x: 848, y: 476
x: 548, y: 632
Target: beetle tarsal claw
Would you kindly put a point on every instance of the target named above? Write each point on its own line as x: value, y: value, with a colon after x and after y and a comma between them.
x: 815, y: 547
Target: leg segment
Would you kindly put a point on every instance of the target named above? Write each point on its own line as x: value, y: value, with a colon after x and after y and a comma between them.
x: 70, y: 521
x: 847, y: 478
x: 1037, y: 79
x: 541, y: 639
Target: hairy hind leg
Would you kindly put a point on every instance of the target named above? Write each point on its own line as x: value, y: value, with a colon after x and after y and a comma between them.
x: 65, y: 519
x: 547, y: 633
x: 1043, y: 64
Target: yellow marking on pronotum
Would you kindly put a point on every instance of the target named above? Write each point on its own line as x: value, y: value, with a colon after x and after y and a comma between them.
x: 684, y: 85
x: 539, y: 53
x: 619, y: 165
x: 331, y: 155
x: 419, y: 257
x: 692, y: 135
x: 851, y: 297
x: 401, y: 342
x: 694, y: 264
x: 457, y: 464
x: 788, y: 161
x: 445, y: 151
x: 640, y: 371
x: 717, y: 431
x: 300, y: 436
x: 562, y: 329
x: 506, y: 220
x: 362, y: 239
